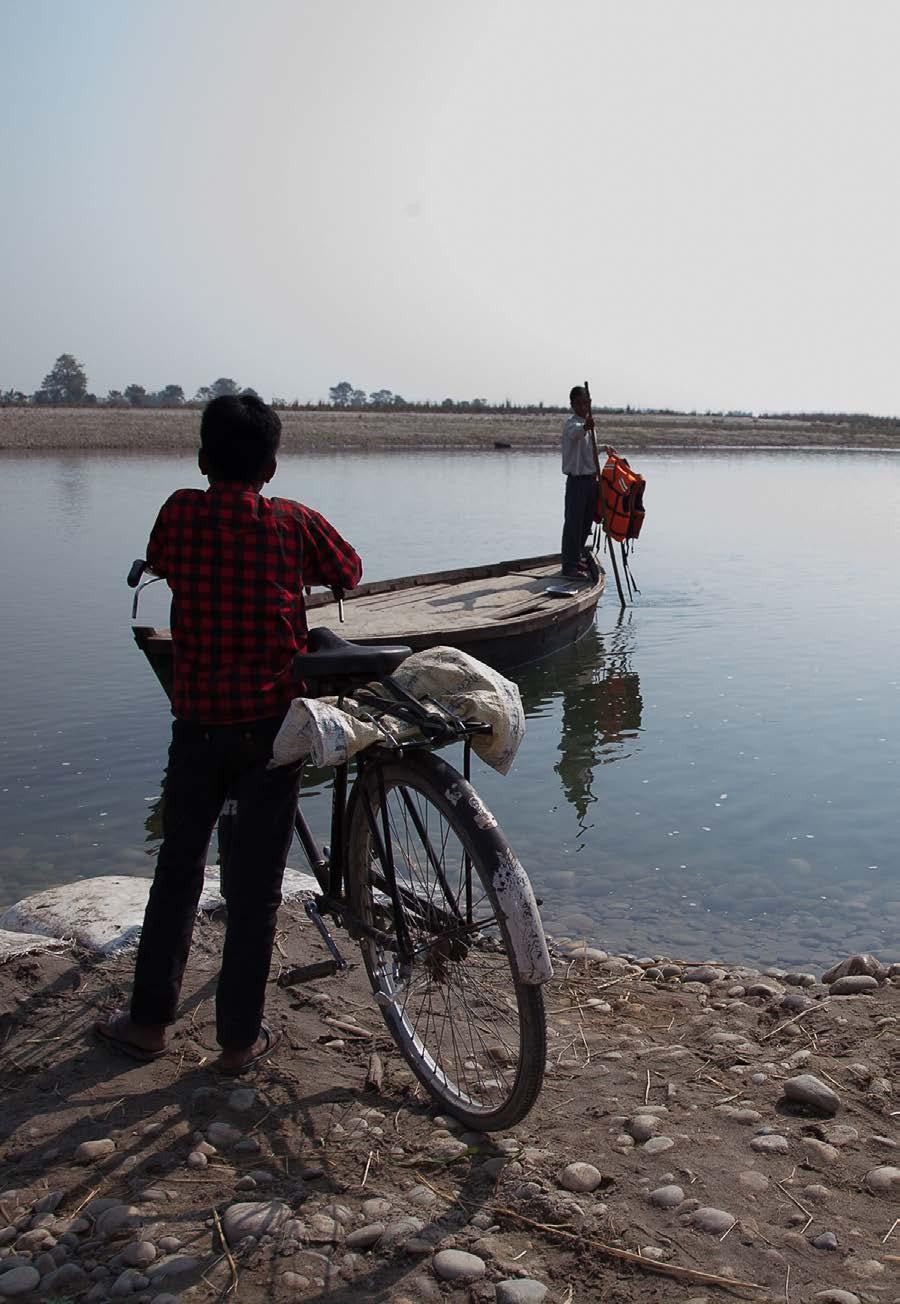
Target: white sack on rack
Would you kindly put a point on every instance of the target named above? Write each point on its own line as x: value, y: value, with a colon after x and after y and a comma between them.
x: 331, y: 735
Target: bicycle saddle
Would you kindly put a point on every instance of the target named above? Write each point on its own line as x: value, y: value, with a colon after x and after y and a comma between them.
x: 330, y: 655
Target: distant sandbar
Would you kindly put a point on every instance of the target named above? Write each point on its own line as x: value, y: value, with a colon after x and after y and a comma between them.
x: 137, y: 430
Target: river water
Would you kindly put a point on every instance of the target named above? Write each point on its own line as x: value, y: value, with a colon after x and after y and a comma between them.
x: 712, y: 773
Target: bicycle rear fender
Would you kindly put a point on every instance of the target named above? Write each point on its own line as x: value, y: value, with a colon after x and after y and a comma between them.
x: 516, y: 902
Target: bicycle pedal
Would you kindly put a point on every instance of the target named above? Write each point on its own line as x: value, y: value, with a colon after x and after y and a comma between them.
x: 307, y: 973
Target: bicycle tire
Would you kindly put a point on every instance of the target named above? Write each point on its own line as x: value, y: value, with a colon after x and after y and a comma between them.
x: 458, y: 983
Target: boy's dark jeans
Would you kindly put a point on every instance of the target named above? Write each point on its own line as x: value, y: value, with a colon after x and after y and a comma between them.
x: 207, y: 764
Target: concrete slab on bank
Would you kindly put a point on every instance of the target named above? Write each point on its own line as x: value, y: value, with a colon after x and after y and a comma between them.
x: 104, y: 914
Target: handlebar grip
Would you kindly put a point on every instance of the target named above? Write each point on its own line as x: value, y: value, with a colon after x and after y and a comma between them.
x: 138, y: 566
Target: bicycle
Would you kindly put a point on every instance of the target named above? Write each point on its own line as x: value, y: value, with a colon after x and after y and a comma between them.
x: 420, y: 875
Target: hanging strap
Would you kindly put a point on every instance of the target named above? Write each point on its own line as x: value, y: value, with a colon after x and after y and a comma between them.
x: 629, y: 578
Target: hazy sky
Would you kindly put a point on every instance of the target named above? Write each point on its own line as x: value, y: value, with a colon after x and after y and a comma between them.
x: 694, y: 203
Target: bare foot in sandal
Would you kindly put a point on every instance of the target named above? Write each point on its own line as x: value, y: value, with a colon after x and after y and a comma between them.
x: 142, y: 1042
x: 234, y: 1062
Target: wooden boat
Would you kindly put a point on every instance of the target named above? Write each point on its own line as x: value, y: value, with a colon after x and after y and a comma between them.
x: 507, y: 613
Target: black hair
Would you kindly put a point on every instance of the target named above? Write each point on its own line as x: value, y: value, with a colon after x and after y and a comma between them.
x: 239, y: 434
x: 577, y: 392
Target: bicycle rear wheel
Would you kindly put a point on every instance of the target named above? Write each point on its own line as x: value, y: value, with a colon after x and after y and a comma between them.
x: 472, y: 1032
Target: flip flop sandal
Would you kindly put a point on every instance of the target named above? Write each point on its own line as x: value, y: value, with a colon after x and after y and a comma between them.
x: 106, y: 1033
x: 272, y: 1039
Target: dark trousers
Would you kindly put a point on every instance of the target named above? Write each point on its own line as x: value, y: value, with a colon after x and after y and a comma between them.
x: 208, y: 763
x: 581, y: 500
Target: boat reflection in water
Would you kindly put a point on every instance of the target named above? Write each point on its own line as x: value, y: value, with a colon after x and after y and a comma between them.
x: 602, y: 708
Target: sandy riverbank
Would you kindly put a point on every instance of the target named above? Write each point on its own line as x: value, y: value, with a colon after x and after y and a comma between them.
x: 667, y: 1081
x: 136, y: 430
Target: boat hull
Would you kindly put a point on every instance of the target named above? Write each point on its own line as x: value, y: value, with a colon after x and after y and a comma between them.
x: 505, y: 614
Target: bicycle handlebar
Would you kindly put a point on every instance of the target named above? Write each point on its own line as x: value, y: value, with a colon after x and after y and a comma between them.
x: 133, y: 578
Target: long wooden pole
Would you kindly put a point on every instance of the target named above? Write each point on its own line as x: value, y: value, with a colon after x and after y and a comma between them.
x: 612, y: 555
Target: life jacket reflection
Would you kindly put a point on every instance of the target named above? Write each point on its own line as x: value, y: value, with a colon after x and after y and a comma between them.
x: 620, y: 500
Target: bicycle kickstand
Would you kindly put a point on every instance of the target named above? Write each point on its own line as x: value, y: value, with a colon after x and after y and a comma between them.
x: 312, y: 910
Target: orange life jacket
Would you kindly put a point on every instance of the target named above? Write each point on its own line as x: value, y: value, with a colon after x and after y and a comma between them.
x: 620, y: 499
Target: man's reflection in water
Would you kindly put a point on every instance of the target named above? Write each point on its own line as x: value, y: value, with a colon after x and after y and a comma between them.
x: 601, y: 709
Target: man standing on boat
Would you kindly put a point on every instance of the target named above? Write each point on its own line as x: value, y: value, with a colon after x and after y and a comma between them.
x: 579, y: 464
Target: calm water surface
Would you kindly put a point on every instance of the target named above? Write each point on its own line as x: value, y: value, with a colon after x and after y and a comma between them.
x: 714, y: 773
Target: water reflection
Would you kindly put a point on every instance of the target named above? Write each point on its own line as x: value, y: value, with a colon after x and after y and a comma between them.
x: 601, y: 715
x: 72, y: 490
x: 601, y: 709
x: 153, y: 819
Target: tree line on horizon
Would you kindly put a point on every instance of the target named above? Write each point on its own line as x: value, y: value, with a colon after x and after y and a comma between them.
x: 66, y: 385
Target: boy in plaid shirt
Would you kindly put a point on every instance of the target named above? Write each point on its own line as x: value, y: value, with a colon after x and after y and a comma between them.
x: 236, y: 563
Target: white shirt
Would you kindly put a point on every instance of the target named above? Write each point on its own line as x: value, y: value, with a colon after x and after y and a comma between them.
x: 577, y: 450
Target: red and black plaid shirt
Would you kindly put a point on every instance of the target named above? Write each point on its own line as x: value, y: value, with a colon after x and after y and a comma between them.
x: 236, y: 564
